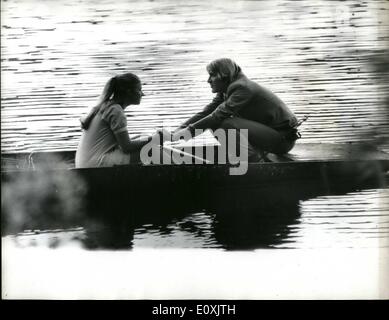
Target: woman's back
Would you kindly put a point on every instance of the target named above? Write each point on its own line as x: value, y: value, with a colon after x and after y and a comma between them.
x: 99, y: 138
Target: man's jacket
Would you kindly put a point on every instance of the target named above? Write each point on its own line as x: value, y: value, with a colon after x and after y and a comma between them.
x: 246, y: 99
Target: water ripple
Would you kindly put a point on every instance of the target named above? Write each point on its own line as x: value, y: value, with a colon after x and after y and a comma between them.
x: 316, y: 56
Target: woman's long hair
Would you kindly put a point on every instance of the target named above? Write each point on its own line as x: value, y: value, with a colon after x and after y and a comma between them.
x: 115, y: 87
x: 225, y: 68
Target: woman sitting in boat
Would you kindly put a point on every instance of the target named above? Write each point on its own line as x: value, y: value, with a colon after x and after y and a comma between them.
x: 243, y: 104
x: 105, y: 140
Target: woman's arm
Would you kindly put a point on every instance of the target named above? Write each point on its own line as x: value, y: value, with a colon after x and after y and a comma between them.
x: 130, y: 145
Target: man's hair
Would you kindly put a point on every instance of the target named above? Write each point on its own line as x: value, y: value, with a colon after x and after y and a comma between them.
x: 224, y: 68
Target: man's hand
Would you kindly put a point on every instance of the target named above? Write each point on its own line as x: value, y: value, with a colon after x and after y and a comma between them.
x: 165, y: 134
x: 184, y: 134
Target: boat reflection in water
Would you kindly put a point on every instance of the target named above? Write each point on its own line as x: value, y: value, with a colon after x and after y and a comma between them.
x: 204, y: 215
x: 178, y: 206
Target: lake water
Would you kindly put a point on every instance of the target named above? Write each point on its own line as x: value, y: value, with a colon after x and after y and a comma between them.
x: 352, y: 220
x: 317, y: 56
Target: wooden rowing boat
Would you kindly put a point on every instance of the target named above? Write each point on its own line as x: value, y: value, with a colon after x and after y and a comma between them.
x: 282, y: 168
x: 138, y: 176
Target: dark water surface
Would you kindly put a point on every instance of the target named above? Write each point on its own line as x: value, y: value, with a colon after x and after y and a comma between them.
x: 351, y: 220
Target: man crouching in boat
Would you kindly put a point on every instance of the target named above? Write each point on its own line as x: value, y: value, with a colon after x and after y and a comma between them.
x: 243, y: 104
x: 105, y: 140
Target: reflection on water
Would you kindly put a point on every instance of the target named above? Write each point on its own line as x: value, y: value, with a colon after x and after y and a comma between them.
x: 359, y: 219
x: 315, y: 55
x: 193, y: 231
x: 353, y: 220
